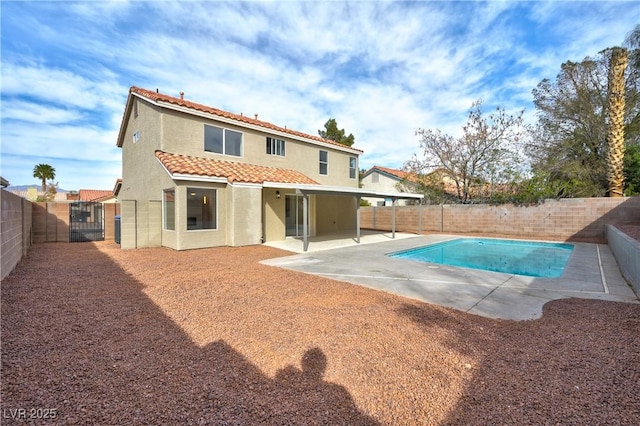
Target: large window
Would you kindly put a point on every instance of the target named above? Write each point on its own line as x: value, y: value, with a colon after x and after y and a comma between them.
x: 324, y: 162
x: 352, y: 167
x: 275, y: 147
x: 201, y: 209
x: 222, y: 141
x: 169, y: 209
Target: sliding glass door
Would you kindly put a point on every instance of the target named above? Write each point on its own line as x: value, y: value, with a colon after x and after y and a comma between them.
x: 293, y: 215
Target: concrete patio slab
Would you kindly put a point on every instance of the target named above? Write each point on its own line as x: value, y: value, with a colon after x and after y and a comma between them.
x: 591, y: 273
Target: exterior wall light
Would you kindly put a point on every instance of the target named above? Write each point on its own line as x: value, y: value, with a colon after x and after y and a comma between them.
x: 278, y: 195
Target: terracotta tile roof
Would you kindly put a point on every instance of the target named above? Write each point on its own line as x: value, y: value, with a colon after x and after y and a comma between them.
x: 94, y: 194
x: 232, y: 171
x: 160, y: 97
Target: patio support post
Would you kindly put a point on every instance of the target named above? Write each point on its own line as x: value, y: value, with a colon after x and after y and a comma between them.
x: 358, y: 220
x: 305, y: 222
x: 393, y: 218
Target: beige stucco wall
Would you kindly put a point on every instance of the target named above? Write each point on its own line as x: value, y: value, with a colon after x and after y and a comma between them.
x: 384, y: 184
x: 274, y: 214
x: 143, y: 177
x: 243, y: 215
x: 200, y: 238
x: 335, y: 214
x: 274, y: 219
x: 184, y: 134
x: 245, y: 209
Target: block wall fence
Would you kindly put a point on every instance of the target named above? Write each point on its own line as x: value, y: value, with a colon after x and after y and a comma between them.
x: 15, y: 230
x: 582, y: 219
x: 25, y: 223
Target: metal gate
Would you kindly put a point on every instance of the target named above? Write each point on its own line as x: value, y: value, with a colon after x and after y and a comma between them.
x: 86, y: 222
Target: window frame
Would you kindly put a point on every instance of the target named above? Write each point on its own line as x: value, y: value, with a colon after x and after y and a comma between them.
x: 276, y: 147
x: 225, y: 151
x: 188, y: 192
x: 164, y: 209
x: 324, y: 163
x: 353, y: 171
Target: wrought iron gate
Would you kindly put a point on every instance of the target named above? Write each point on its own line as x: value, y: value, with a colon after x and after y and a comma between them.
x: 86, y: 222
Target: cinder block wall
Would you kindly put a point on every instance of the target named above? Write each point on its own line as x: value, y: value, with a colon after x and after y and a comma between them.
x: 15, y: 230
x: 110, y: 212
x: 576, y: 219
x: 51, y: 221
x: 627, y: 252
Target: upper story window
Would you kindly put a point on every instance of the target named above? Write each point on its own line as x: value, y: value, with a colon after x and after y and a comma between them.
x: 352, y: 167
x: 136, y: 136
x: 275, y: 147
x: 324, y: 162
x: 222, y: 141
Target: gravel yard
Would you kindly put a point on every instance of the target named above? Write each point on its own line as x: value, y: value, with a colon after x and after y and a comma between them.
x: 97, y: 335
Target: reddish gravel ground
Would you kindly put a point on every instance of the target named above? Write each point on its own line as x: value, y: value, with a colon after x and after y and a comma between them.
x: 631, y: 230
x: 92, y: 334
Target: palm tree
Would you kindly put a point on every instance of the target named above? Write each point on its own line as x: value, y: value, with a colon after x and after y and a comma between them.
x: 44, y: 172
x: 615, y: 130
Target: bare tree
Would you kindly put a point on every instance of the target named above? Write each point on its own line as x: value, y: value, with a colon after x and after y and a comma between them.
x: 485, y: 156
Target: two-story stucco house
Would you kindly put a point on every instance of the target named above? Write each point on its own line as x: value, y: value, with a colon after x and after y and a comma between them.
x: 194, y: 176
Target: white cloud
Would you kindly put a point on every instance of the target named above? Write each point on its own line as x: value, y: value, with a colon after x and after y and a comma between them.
x: 382, y: 69
x: 37, y: 113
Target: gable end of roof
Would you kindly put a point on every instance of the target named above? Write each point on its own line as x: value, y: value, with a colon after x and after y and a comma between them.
x: 239, y: 119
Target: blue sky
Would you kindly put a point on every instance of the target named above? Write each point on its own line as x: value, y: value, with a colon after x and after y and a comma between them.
x: 382, y: 69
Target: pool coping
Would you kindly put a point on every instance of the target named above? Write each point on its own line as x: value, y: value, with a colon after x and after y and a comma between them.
x: 591, y: 272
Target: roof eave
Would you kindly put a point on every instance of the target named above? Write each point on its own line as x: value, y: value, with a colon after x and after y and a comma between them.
x: 341, y: 190
x: 125, y: 119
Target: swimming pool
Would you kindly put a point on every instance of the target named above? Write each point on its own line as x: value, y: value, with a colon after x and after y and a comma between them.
x: 534, y: 259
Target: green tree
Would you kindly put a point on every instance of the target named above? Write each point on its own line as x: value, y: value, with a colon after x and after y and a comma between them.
x: 632, y: 170
x: 44, y: 172
x: 485, y: 156
x: 332, y: 133
x: 568, y: 148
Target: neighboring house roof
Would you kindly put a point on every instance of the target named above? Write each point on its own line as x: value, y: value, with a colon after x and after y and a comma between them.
x: 160, y: 98
x: 177, y: 164
x: 392, y: 173
x: 117, y: 187
x: 94, y: 194
x: 3, y: 182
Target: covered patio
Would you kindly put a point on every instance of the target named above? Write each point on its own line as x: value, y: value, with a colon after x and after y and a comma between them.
x: 305, y: 191
x: 334, y: 241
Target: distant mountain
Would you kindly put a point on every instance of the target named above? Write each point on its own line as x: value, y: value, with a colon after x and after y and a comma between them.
x: 26, y: 187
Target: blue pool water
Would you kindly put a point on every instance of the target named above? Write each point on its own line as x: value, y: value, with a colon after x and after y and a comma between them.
x: 534, y: 259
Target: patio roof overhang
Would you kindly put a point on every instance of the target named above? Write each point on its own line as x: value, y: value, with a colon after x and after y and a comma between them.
x: 305, y: 190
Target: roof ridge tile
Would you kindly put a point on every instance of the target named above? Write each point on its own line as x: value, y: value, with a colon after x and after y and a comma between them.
x: 157, y: 96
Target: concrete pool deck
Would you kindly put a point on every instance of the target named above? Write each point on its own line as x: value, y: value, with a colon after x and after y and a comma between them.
x: 592, y: 273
